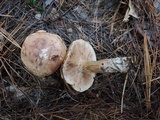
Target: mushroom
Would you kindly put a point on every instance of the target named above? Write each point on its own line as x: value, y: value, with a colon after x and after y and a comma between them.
x: 80, y: 66
x: 42, y: 53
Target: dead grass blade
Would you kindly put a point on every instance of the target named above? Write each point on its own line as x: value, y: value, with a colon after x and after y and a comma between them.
x: 9, y: 37
x: 10, y: 76
x: 147, y: 72
x: 124, y: 87
x: 113, y: 19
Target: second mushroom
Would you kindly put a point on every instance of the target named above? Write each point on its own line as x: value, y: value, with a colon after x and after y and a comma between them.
x: 80, y: 65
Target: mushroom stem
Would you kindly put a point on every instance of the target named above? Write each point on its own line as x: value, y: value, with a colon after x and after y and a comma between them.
x: 119, y: 64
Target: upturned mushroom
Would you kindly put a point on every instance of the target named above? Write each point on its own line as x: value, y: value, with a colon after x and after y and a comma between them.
x: 80, y: 66
x: 42, y: 53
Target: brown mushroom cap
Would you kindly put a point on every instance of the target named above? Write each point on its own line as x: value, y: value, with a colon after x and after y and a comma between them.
x: 42, y: 53
x: 80, y: 66
x: 72, y: 68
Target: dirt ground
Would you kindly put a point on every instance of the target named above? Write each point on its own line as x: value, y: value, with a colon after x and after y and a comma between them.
x: 115, y: 28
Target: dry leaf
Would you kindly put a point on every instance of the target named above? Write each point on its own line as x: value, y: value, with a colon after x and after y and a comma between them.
x: 130, y: 11
x: 38, y: 16
x: 48, y: 2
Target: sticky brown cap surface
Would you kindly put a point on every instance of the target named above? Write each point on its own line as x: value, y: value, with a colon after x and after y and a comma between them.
x: 42, y: 53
